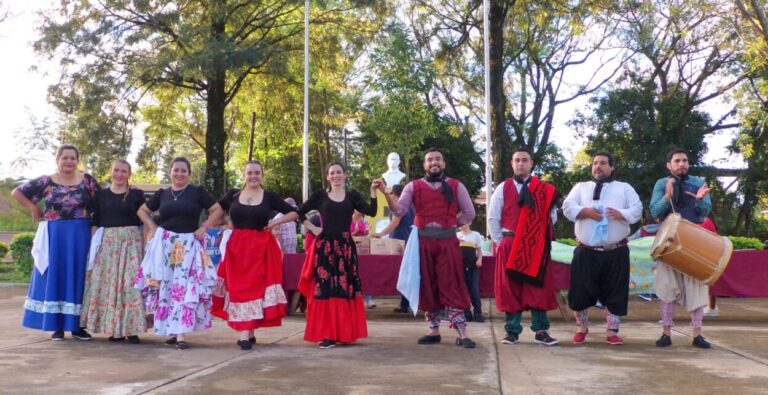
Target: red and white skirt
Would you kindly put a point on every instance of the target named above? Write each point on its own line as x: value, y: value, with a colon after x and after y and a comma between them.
x: 249, y: 292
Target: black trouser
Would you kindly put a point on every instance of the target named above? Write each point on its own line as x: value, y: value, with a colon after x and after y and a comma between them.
x: 472, y: 279
x: 600, y: 275
x: 404, y: 304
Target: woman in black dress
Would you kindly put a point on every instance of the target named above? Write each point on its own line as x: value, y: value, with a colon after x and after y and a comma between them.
x: 176, y: 272
x: 249, y: 287
x: 330, y: 278
x: 111, y: 304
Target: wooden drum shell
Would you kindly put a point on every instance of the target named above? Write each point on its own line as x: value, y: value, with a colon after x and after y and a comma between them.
x: 691, y: 249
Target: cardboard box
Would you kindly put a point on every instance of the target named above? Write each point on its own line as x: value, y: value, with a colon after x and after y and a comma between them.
x: 387, y: 247
x: 362, y: 244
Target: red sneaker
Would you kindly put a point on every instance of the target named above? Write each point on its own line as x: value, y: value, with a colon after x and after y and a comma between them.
x: 614, y: 340
x: 580, y: 337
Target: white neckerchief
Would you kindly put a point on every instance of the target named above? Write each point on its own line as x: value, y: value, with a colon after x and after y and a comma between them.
x: 223, y: 245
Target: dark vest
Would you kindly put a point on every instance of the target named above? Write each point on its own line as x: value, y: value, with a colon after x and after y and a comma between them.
x: 431, y: 206
x: 687, y: 207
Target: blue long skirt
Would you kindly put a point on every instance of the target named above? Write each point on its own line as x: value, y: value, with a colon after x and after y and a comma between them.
x: 55, y: 297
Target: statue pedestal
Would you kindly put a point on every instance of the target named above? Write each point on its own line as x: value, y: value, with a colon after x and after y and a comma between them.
x: 381, y: 220
x: 392, y: 178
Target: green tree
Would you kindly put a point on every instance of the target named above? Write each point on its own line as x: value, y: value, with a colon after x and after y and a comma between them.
x: 687, y: 51
x: 639, y: 126
x: 208, y: 48
x: 396, y: 117
x: 533, y: 45
x: 276, y: 99
x: 752, y: 141
x: 402, y: 115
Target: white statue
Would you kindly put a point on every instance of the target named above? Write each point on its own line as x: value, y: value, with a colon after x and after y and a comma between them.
x: 393, y: 175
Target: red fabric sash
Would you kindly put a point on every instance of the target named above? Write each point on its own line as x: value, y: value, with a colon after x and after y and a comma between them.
x: 530, y: 251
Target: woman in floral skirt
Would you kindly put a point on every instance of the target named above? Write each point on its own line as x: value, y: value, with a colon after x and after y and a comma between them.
x: 176, y: 271
x: 111, y: 304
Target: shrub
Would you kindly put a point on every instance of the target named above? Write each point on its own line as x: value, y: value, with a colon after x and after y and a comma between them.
x: 3, y: 250
x: 746, y: 243
x: 570, y: 242
x: 21, y: 253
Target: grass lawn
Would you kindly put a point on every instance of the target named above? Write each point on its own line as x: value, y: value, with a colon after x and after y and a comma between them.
x: 13, y: 221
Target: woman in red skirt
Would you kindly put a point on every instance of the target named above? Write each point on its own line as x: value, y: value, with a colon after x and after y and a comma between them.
x: 249, y: 292
x: 330, y: 280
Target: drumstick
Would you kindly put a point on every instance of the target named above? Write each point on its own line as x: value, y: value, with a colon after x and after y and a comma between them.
x: 690, y: 193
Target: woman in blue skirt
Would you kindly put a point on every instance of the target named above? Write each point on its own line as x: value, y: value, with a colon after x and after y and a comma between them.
x: 61, y: 245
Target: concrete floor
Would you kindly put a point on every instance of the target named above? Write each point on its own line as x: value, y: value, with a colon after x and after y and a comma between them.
x: 390, y: 362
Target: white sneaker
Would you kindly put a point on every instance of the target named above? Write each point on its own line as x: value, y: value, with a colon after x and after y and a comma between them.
x: 711, y: 312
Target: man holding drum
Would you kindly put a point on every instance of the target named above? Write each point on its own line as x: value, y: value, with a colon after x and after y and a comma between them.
x: 602, y: 209
x: 688, y: 196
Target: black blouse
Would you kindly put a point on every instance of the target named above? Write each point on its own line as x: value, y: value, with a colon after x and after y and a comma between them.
x: 337, y: 216
x: 113, y: 210
x: 180, y: 211
x: 244, y: 216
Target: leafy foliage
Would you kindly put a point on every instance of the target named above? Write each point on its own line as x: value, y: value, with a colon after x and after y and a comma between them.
x: 126, y: 50
x: 398, y: 117
x: 21, y: 253
x: 746, y: 243
x: 639, y: 126
x: 3, y: 250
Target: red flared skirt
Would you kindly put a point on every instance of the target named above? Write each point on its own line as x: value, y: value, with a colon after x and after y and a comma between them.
x: 513, y: 295
x: 249, y: 292
x: 339, y: 319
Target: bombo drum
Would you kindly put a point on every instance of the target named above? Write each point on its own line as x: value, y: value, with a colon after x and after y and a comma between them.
x: 691, y: 249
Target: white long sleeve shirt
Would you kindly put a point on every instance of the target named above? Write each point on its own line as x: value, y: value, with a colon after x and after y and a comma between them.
x: 495, y: 207
x: 617, y: 195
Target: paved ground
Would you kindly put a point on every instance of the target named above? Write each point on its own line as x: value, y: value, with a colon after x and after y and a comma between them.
x: 6, y: 237
x: 389, y: 361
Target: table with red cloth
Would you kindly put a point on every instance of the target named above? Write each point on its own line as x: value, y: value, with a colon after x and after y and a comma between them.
x: 746, y: 274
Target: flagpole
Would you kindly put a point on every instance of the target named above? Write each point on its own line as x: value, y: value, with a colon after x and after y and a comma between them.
x: 253, y: 129
x: 305, y: 148
x: 488, y: 142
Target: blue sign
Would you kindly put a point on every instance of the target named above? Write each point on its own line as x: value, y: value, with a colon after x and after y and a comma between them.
x: 212, y: 241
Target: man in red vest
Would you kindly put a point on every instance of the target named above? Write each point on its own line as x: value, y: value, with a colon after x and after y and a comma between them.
x: 521, y: 213
x: 441, y: 204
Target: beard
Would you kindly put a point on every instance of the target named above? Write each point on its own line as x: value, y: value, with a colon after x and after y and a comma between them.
x: 435, y: 174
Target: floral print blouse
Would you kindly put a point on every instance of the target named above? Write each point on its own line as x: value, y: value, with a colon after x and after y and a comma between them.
x: 62, y: 201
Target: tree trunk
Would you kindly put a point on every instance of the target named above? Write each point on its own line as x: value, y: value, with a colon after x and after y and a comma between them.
x: 499, y: 137
x: 215, y: 137
x: 215, y: 133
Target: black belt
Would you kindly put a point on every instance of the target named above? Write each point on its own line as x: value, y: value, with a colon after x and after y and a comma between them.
x: 609, y: 247
x: 508, y: 234
x: 437, y: 233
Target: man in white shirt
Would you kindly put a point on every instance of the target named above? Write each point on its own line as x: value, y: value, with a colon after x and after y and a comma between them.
x: 602, y: 209
x: 521, y: 213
